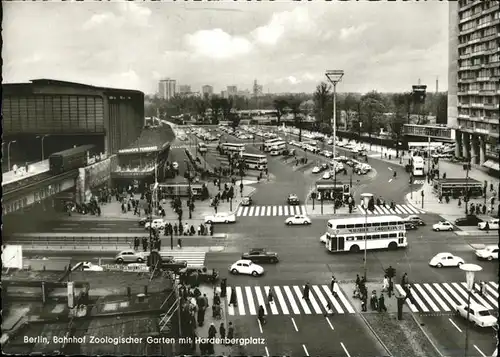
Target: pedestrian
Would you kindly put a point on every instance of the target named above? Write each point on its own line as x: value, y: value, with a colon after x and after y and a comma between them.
x: 230, y: 334
x: 136, y: 243
x: 459, y: 202
x: 329, y: 309
x: 305, y: 294
x: 201, y: 317
x: 363, y: 303
x: 487, y: 227
x: 374, y: 301
x: 232, y: 300
x: 270, y: 297
x: 223, y: 285
x: 357, y: 280
x: 212, y: 331
x: 381, y: 304
x: 261, y: 315
x: 211, y: 229
x: 404, y: 279
x: 385, y: 284
x: 179, y: 243
x: 332, y: 285
x: 175, y: 228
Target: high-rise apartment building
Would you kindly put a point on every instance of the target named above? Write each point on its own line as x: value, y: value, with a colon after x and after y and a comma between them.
x: 473, y: 79
x: 206, y: 89
x: 224, y: 94
x: 232, y: 90
x: 184, y: 89
x: 167, y: 88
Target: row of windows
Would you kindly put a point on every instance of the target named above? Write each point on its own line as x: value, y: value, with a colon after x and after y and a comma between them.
x: 479, y: 21
x: 48, y: 113
x: 362, y: 225
x: 485, y: 72
x: 472, y: 125
x: 464, y: 87
x: 439, y: 132
x: 490, y: 45
x: 371, y: 236
x: 478, y: 61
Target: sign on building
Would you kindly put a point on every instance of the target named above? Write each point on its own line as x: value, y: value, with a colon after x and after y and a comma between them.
x: 12, y: 256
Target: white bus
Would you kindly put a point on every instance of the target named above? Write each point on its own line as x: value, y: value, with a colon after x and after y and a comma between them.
x: 418, y: 166
x: 232, y: 148
x: 278, y: 148
x: 268, y: 144
x: 202, y: 147
x: 255, y: 161
x: 382, y: 232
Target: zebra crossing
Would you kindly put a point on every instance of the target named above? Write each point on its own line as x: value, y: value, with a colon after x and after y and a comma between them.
x: 445, y: 297
x: 270, y: 211
x: 399, y: 209
x: 194, y: 258
x: 288, y: 300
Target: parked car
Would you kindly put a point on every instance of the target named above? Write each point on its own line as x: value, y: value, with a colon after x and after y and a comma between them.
x: 129, y: 256
x: 260, y: 255
x: 489, y: 252
x: 442, y: 226
x: 469, y: 220
x: 478, y: 314
x: 446, y: 260
x: 204, y: 275
x: 245, y: 266
x: 222, y: 217
x: 246, y: 201
x: 492, y: 224
x: 298, y: 219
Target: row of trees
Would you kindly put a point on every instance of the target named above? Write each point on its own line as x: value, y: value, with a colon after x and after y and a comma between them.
x: 366, y: 113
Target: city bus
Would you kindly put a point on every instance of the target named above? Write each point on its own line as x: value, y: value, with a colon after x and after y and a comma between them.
x: 418, y: 165
x: 233, y: 148
x: 348, y: 234
x: 278, y: 148
x: 202, y: 147
x: 268, y: 144
x: 255, y: 161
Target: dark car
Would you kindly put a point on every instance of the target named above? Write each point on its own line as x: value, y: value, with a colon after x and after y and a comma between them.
x: 260, y: 255
x: 470, y: 220
x: 204, y: 275
x: 293, y: 199
x: 246, y: 201
x: 416, y: 220
x: 410, y: 226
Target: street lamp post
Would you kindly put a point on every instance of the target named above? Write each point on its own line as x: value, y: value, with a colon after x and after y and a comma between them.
x: 470, y: 270
x: 189, y: 188
x: 334, y: 77
x: 8, y: 153
x: 365, y: 197
x: 42, y: 137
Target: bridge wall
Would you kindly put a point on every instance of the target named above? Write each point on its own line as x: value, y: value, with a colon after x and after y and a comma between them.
x: 93, y: 176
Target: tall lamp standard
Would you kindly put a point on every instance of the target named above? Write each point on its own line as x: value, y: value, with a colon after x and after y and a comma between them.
x: 8, y: 153
x: 42, y: 137
x: 470, y: 270
x: 365, y: 197
x: 334, y: 77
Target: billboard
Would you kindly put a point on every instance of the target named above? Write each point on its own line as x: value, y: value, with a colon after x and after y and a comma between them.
x: 12, y: 256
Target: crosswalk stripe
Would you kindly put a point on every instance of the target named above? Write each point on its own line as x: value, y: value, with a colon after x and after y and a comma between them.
x: 446, y: 296
x: 458, y: 288
x: 493, y: 291
x: 303, y: 209
x: 257, y: 209
x: 280, y: 211
x: 408, y: 302
x: 275, y: 209
x: 401, y: 209
x: 283, y: 306
x: 436, y: 296
x: 292, y: 211
x: 391, y: 211
x: 454, y: 294
x: 285, y: 210
x: 426, y: 297
x: 250, y: 300
x: 491, y: 298
x: 268, y: 211
x: 378, y: 209
x: 241, y: 305
x: 479, y: 298
x: 240, y: 209
x: 288, y: 292
x: 385, y: 209
x: 495, y: 285
x: 305, y: 307
x: 369, y: 212
x: 250, y: 211
x: 413, y: 209
x: 314, y: 303
x: 420, y: 303
x: 260, y: 299
x: 344, y: 300
x: 245, y: 211
x: 273, y: 307
x: 360, y: 208
x: 398, y: 211
x: 330, y: 297
x: 230, y: 308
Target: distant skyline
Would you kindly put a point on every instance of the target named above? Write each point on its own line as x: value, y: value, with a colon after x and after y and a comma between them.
x: 286, y: 47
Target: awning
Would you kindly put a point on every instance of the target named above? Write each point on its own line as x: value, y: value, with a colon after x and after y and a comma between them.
x: 491, y: 165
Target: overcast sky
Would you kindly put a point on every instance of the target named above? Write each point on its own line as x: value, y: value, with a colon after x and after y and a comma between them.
x: 384, y: 46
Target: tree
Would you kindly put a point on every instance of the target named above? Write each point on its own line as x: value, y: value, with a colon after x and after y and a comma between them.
x: 216, y: 106
x: 351, y: 108
x: 372, y: 109
x: 294, y: 106
x: 280, y: 105
x: 322, y: 98
x: 398, y: 117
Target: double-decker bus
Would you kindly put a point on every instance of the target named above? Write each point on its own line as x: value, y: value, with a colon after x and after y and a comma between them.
x: 255, y: 161
x: 233, y: 148
x: 382, y: 232
x: 278, y: 148
x: 268, y: 144
x: 418, y: 166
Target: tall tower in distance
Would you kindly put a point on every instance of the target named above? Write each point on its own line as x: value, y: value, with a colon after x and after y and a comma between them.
x: 437, y: 85
x: 166, y: 88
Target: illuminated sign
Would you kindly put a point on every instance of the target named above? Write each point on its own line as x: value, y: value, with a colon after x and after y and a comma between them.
x: 137, y: 150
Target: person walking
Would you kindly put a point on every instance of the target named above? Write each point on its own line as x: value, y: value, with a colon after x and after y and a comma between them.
x: 332, y: 285
x: 230, y: 334
x: 232, y: 300
x: 223, y: 286
x: 374, y: 301
x: 212, y: 331
x: 222, y: 331
x: 305, y: 294
x: 179, y: 243
x: 270, y: 297
x: 136, y: 243
x: 381, y: 304
x: 385, y: 284
x: 262, y: 317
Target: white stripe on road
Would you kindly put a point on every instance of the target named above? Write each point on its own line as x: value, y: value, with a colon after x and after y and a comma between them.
x: 257, y: 209
x: 479, y: 298
x: 494, y: 290
x: 480, y: 352
x: 275, y: 210
x: 303, y: 346
x: 241, y: 305
x: 360, y: 208
x: 332, y: 299
x: 345, y: 350
x: 230, y: 308
x: 303, y: 209
x: 392, y: 211
x: 280, y: 211
x: 305, y: 307
x: 454, y: 324
x: 436, y: 296
x: 346, y: 302
x: 260, y: 299
x: 286, y: 210
x: 398, y: 210
x: 250, y: 211
x: 426, y: 297
x: 251, y: 305
x: 452, y: 303
x: 273, y: 307
x: 408, y: 302
x: 413, y: 209
x: 288, y: 292
x: 314, y: 303
x: 378, y: 209
x: 245, y: 211
x: 268, y: 210
x: 454, y: 294
x: 386, y: 210
x: 240, y: 210
x: 284, y: 308
x: 401, y: 208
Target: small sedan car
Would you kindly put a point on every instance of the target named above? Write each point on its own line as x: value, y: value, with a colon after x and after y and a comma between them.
x: 223, y: 217
x: 204, y: 275
x: 293, y: 199
x: 316, y: 170
x: 416, y: 220
x: 129, y: 256
x: 155, y: 224
x: 492, y: 224
x: 246, y: 201
x: 88, y: 266
x: 260, y: 255
x: 446, y: 260
x: 469, y: 220
x: 410, y: 226
x: 247, y: 267
x: 489, y: 252
x: 478, y: 314
x: 298, y: 219
x: 327, y: 176
x: 442, y: 226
